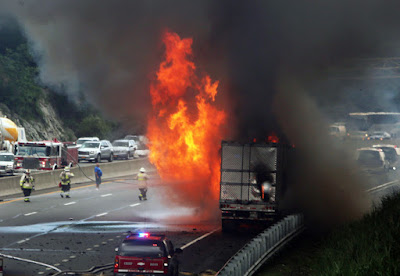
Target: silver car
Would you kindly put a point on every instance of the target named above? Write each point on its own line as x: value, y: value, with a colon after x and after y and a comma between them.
x: 124, y: 148
x: 96, y: 151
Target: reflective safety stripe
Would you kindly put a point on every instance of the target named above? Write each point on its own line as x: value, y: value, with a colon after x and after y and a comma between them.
x: 142, y: 176
x: 65, y: 179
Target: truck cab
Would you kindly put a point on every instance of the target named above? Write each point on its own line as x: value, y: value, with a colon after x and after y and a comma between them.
x: 44, y: 155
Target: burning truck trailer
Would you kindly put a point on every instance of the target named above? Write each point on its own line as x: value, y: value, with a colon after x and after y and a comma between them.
x: 44, y: 155
x: 254, y: 183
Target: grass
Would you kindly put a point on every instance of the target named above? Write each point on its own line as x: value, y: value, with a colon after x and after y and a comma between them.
x: 370, y: 246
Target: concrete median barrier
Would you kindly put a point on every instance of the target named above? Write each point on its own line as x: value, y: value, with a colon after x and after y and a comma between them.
x: 50, y: 179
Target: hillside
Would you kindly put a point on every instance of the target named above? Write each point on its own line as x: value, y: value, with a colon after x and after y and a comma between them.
x: 44, y: 112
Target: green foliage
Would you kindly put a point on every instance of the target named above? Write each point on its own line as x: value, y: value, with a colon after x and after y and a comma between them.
x: 18, y: 89
x: 21, y: 94
x: 368, y: 247
x: 83, y: 118
x: 93, y: 125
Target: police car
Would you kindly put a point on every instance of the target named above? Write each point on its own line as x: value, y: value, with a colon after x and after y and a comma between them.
x: 147, y: 255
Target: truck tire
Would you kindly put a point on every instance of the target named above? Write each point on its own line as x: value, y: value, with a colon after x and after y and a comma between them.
x: 98, y: 158
x: 111, y: 158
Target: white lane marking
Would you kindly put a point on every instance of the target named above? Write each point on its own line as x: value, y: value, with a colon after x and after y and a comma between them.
x: 40, y: 272
x: 69, y: 203
x: 103, y: 242
x: 72, y: 257
x: 28, y: 214
x: 381, y: 186
x: 65, y: 260
x: 57, y: 265
x: 102, y: 214
x: 29, y: 261
x: 106, y: 195
x: 200, y: 238
x: 133, y: 205
x: 22, y: 241
x: 88, y: 249
x: 96, y: 245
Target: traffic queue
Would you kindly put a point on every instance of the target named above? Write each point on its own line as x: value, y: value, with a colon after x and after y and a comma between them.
x: 53, y: 154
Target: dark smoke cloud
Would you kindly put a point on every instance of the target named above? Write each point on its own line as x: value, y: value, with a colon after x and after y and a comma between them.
x: 107, y: 49
x: 302, y: 38
x: 111, y: 49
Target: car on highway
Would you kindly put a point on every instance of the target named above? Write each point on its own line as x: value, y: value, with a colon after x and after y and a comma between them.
x: 96, y: 151
x: 379, y: 135
x: 6, y: 163
x: 392, y: 153
x: 362, y: 135
x: 338, y: 131
x: 82, y: 140
x: 135, y: 138
x: 372, y: 160
x: 124, y: 149
x: 146, y: 254
x: 142, y: 150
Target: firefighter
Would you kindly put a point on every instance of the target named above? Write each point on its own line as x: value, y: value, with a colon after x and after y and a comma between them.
x: 27, y: 185
x: 142, y: 178
x: 65, y: 177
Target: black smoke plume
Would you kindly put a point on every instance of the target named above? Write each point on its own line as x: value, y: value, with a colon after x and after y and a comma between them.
x: 257, y: 49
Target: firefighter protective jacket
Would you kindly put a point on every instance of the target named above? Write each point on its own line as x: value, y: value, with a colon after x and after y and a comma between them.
x: 66, y: 178
x: 142, y: 177
x: 26, y: 181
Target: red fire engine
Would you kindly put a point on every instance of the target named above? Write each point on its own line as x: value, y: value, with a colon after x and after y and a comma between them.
x: 45, y: 155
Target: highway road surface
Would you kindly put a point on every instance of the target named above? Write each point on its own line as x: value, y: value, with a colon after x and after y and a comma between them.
x: 52, y: 234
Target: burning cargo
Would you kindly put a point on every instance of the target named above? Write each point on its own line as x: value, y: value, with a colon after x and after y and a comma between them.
x: 254, y: 182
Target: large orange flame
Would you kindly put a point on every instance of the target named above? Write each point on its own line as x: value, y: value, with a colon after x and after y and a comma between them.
x: 185, y: 129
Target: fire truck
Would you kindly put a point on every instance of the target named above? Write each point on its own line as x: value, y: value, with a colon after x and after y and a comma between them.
x: 254, y: 182
x: 44, y: 155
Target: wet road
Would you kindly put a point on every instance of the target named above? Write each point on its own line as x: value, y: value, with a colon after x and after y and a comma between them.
x: 52, y: 234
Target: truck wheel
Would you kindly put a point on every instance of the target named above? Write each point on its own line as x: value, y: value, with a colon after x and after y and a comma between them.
x: 111, y: 157
x: 98, y: 158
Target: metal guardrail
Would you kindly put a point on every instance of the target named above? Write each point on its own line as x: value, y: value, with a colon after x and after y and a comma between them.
x: 251, y: 257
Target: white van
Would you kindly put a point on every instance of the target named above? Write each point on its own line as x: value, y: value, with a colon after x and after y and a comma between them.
x: 338, y: 131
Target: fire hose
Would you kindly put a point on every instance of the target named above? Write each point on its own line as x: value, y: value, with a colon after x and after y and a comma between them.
x: 70, y: 165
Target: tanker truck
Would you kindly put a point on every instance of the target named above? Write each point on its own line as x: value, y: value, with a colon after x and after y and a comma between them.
x: 10, y: 134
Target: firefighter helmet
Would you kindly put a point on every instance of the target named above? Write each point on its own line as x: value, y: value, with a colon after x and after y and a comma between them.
x: 28, y: 171
x: 142, y: 170
x: 66, y: 169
